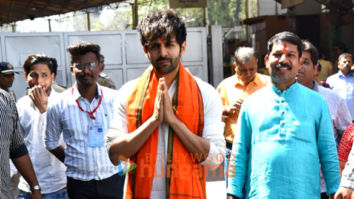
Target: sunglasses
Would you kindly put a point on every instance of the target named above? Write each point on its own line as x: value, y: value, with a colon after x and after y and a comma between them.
x: 90, y: 65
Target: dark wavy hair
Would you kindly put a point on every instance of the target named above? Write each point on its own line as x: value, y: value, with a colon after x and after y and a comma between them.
x: 285, y: 36
x: 165, y: 23
x: 80, y: 48
x: 33, y: 59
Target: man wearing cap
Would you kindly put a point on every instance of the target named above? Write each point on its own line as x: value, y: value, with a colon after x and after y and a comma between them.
x: 7, y: 77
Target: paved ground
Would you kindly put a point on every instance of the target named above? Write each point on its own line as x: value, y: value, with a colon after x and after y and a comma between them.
x: 215, y: 186
x: 216, y: 189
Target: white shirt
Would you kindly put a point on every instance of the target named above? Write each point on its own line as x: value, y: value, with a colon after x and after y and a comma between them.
x: 64, y: 116
x: 337, y: 107
x: 344, y: 87
x: 213, y: 130
x: 339, y: 112
x: 49, y: 170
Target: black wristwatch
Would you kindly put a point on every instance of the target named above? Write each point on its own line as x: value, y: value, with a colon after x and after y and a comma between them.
x: 36, y: 188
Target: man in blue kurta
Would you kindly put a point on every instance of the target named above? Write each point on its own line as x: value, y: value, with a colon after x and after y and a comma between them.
x: 284, y: 132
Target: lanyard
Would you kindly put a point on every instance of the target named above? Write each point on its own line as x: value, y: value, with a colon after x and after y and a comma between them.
x: 94, y: 110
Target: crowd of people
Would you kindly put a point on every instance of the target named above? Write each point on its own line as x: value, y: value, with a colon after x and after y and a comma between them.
x: 280, y: 136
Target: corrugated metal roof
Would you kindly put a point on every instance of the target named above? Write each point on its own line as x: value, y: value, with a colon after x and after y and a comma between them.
x: 15, y: 10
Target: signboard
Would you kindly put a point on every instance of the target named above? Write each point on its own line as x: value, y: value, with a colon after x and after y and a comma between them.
x: 290, y: 3
x: 188, y: 3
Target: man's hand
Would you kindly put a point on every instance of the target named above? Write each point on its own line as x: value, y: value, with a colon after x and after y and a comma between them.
x: 238, y: 105
x: 158, y: 107
x: 36, y: 195
x: 231, y: 110
x: 25, y: 168
x: 168, y: 114
x: 343, y: 193
x: 39, y: 98
x: 228, y: 111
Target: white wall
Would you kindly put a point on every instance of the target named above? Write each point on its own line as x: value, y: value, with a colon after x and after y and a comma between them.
x: 124, y: 57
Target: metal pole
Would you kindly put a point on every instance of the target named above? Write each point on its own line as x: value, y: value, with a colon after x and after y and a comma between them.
x: 247, y: 15
x: 247, y: 8
x: 13, y: 26
x: 206, y: 19
x: 88, y: 21
x: 135, y: 13
x: 49, y: 25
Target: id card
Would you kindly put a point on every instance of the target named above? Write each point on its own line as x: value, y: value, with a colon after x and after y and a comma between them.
x: 96, y: 135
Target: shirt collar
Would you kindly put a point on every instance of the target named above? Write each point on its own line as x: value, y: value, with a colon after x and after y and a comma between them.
x: 315, y: 86
x: 239, y: 83
x: 340, y: 74
x: 76, y: 94
x: 292, y: 88
x: 53, y: 94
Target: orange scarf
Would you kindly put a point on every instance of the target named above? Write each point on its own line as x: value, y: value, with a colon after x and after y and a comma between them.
x: 185, y: 178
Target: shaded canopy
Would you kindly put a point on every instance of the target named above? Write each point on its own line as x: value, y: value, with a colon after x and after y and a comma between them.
x: 15, y: 10
x: 341, y: 6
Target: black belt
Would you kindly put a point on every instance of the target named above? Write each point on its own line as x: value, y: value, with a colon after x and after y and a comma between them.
x: 228, y: 145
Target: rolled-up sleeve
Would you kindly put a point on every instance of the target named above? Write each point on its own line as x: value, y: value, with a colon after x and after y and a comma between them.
x: 53, y: 129
x: 118, y: 125
x: 17, y: 147
x: 213, y: 126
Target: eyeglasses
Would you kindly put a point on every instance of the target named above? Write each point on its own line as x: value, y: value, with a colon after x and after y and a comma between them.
x: 347, y: 62
x: 90, y: 65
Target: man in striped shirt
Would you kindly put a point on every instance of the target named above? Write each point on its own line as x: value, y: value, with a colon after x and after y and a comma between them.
x: 12, y: 146
x: 83, y: 114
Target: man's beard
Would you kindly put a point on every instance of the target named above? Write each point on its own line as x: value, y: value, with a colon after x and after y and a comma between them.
x: 163, y: 70
x: 85, y: 82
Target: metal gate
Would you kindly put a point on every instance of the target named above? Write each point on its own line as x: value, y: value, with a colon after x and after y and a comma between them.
x: 124, y: 57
